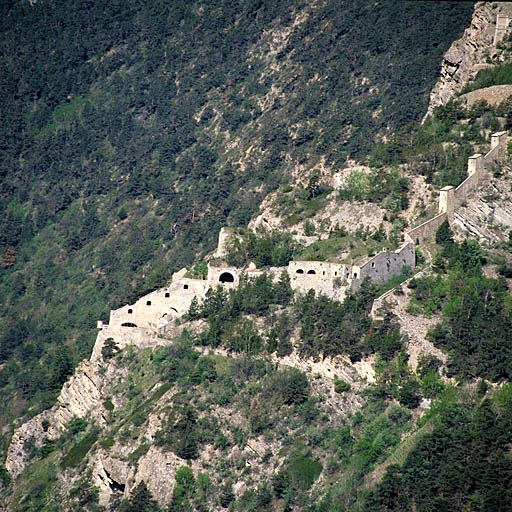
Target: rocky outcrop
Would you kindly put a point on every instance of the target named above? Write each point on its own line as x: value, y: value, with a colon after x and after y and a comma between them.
x: 465, y: 55
x: 80, y: 397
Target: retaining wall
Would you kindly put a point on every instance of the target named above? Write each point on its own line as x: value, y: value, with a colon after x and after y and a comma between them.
x: 123, y: 337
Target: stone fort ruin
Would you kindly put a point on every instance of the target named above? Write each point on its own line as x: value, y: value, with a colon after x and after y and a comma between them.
x: 153, y: 313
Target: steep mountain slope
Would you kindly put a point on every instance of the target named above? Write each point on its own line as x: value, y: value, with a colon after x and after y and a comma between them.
x: 134, y: 130
x: 169, y: 120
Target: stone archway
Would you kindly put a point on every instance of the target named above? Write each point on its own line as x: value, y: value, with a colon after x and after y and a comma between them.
x: 226, y: 277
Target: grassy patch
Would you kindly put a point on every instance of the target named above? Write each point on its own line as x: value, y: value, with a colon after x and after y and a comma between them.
x: 78, y: 451
x: 304, y: 471
x: 139, y: 452
x: 325, y: 250
x: 107, y: 443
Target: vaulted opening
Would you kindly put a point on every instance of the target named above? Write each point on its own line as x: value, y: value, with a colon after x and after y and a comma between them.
x: 299, y: 271
x: 130, y: 311
x: 148, y: 303
x: 226, y: 277
x: 167, y: 295
x: 311, y: 272
x: 128, y: 324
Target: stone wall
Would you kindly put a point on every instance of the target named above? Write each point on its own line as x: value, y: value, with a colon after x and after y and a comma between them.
x: 123, y: 336
x: 331, y: 279
x: 229, y: 276
x: 160, y: 306
x: 451, y: 198
x: 493, y: 95
x: 426, y: 230
x: 385, y: 265
x: 502, y: 27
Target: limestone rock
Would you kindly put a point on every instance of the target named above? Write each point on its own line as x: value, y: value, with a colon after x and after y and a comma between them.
x: 464, y: 55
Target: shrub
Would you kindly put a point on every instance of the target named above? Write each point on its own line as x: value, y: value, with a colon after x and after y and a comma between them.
x: 79, y: 451
x: 340, y: 386
x: 109, y: 349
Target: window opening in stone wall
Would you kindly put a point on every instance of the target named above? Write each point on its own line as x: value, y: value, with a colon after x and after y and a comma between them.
x: 299, y: 271
x: 167, y: 295
x: 323, y: 273
x: 226, y: 277
x: 335, y: 273
x: 373, y: 264
x: 355, y: 275
x: 185, y: 286
x: 128, y: 324
x: 148, y: 303
x: 311, y: 272
x: 130, y: 311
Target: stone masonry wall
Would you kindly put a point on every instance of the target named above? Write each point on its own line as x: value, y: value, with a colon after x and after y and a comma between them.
x: 387, y: 264
x: 426, y: 230
x: 452, y: 198
x: 331, y: 279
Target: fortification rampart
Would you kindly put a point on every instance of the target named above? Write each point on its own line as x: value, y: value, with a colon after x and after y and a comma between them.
x: 387, y: 264
x: 426, y: 230
x: 331, y: 279
x: 451, y: 198
x: 151, y: 313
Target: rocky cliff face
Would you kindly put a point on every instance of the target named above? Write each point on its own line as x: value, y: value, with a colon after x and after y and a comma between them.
x: 99, y: 391
x: 466, y: 55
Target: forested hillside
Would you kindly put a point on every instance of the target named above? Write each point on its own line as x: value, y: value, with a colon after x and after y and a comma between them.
x: 133, y: 130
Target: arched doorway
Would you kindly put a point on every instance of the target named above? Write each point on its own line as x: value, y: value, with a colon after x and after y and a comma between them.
x: 226, y: 277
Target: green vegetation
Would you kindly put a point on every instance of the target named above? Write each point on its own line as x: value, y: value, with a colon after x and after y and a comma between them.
x: 455, y: 467
x: 440, y: 147
x: 79, y: 450
x: 476, y: 328
x: 274, y: 249
x: 387, y: 188
x: 498, y: 75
